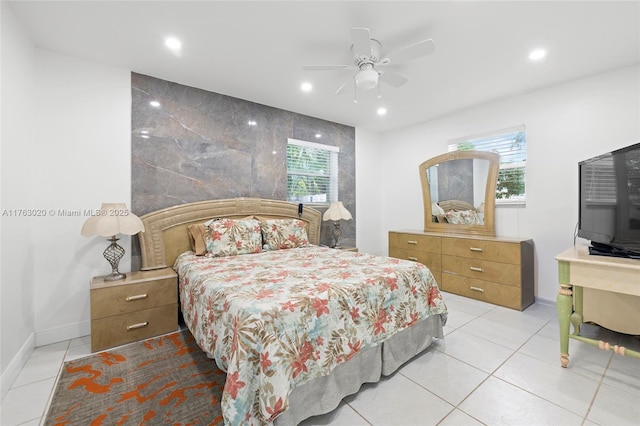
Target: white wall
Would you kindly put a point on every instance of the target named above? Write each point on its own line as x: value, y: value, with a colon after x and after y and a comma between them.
x: 369, y: 213
x: 82, y: 158
x: 565, y: 124
x: 17, y: 288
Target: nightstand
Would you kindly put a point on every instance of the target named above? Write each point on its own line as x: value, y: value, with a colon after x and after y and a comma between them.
x: 347, y: 248
x: 143, y: 305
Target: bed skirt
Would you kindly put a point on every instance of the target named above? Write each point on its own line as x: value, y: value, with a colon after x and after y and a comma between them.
x: 322, y: 395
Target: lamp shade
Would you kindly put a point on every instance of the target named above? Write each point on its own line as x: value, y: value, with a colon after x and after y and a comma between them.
x: 112, y: 219
x: 336, y: 211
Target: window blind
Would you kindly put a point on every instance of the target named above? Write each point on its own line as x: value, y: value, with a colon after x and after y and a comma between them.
x: 312, y: 172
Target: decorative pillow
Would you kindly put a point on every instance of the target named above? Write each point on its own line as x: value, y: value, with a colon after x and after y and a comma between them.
x: 230, y: 237
x: 283, y: 234
x: 464, y: 217
x: 196, y: 236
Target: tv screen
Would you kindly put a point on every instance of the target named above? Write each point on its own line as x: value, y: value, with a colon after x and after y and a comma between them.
x: 609, y: 210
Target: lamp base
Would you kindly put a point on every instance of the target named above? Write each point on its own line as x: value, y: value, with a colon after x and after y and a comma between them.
x: 113, y: 254
x: 337, y: 234
x: 115, y: 276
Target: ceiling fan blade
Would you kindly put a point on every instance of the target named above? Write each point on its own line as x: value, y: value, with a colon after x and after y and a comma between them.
x: 342, y: 89
x: 361, y: 39
x: 413, y: 51
x: 394, y: 80
x: 328, y: 67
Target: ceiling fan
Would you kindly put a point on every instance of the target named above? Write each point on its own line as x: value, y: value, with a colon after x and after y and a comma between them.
x: 368, y: 61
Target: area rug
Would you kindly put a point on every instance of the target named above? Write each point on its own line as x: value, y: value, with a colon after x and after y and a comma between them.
x: 164, y: 380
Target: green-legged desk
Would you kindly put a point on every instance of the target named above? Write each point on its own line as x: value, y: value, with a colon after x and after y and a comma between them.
x: 578, y: 270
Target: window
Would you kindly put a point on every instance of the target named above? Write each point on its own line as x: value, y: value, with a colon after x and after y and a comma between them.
x: 511, y: 144
x: 312, y: 172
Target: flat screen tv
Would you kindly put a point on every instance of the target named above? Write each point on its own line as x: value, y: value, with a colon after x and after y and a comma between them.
x: 609, y: 211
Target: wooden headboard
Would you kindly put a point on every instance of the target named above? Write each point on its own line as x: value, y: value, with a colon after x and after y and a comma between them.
x: 165, y: 234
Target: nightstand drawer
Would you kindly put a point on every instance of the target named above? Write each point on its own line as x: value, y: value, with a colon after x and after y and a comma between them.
x: 482, y: 249
x: 504, y: 295
x: 120, y: 299
x: 120, y: 329
x: 414, y: 242
x: 501, y: 273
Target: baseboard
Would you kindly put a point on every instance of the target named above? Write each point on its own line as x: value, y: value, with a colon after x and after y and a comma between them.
x: 62, y: 333
x: 10, y: 374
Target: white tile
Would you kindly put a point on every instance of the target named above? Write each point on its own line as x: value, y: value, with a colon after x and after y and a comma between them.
x: 469, y: 306
x: 613, y: 406
x: 456, y: 319
x: 551, y: 330
x: 450, y: 379
x: 500, y: 403
x: 343, y: 415
x: 496, y: 332
x: 398, y: 401
x: 79, y: 350
x: 477, y: 352
x: 52, y: 349
x: 542, y: 311
x: 459, y: 418
x: 553, y: 383
x: 26, y: 403
x: 624, y: 373
x: 519, y: 320
x: 583, y: 359
x: 80, y: 341
x: 39, y: 367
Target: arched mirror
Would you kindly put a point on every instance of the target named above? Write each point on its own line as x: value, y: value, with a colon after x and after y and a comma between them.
x: 459, y: 190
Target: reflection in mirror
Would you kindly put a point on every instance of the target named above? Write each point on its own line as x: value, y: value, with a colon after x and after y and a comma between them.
x: 459, y: 192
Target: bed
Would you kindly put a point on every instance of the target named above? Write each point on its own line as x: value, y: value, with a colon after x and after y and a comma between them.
x: 295, y: 326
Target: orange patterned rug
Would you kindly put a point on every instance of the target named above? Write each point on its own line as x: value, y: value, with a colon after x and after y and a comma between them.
x: 167, y: 379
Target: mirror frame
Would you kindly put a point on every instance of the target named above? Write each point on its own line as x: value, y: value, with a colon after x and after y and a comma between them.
x: 488, y: 228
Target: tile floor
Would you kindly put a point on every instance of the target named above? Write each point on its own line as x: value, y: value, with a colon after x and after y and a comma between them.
x: 495, y: 366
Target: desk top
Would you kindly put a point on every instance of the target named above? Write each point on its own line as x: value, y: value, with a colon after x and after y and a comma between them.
x: 619, y: 275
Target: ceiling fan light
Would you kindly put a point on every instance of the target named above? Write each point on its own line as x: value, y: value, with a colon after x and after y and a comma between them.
x: 367, y: 79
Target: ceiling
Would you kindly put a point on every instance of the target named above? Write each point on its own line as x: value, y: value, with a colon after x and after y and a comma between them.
x: 256, y: 50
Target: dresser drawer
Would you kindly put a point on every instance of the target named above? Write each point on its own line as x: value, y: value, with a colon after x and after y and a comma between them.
x: 120, y: 299
x: 415, y: 242
x: 502, y: 273
x: 126, y: 328
x: 499, y: 251
x: 504, y: 295
x: 431, y: 260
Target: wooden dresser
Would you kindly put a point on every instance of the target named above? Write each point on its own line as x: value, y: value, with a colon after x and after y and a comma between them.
x: 492, y: 269
x: 143, y: 305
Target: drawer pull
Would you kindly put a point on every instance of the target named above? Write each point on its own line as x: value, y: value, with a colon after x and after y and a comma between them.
x: 136, y: 297
x: 475, y: 249
x: 138, y: 325
x: 414, y: 242
x: 473, y: 268
x: 478, y: 289
x: 415, y: 259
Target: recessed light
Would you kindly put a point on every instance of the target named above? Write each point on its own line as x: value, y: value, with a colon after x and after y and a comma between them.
x: 173, y: 43
x: 144, y: 132
x: 306, y: 86
x: 155, y: 104
x: 537, y: 54
x: 144, y: 136
x: 382, y: 111
x: 318, y: 135
x: 274, y: 152
x: 251, y: 123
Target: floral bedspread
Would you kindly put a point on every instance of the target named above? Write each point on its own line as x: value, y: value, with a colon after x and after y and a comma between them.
x: 277, y: 319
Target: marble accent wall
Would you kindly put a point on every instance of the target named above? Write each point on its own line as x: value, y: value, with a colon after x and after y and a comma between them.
x: 199, y: 145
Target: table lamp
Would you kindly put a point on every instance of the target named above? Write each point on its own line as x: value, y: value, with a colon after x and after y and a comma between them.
x: 113, y: 219
x: 336, y: 212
